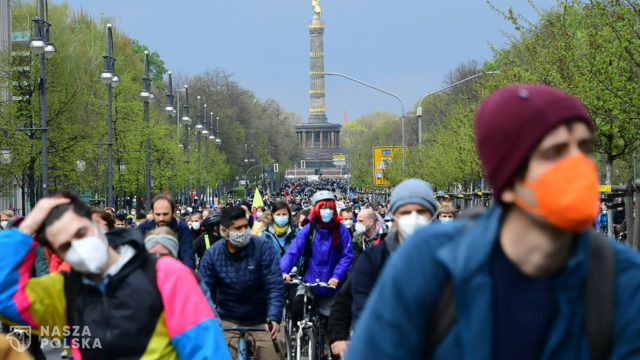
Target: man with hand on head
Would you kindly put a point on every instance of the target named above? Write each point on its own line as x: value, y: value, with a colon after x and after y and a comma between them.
x: 126, y: 303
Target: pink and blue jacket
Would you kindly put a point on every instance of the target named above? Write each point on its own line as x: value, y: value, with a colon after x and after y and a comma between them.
x: 150, y: 309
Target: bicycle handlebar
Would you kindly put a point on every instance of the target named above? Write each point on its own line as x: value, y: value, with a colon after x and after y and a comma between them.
x: 243, y: 328
x: 318, y: 283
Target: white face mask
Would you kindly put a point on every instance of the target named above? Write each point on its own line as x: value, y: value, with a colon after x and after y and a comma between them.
x: 4, y: 224
x: 360, y: 228
x: 88, y: 255
x: 259, y: 214
x: 408, y: 224
x: 239, y: 238
x: 348, y: 223
x: 195, y: 225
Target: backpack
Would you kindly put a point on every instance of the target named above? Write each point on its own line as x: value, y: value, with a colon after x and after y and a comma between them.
x: 308, y: 241
x: 598, y: 300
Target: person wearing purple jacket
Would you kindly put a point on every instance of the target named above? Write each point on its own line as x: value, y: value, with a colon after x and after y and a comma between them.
x: 329, y: 258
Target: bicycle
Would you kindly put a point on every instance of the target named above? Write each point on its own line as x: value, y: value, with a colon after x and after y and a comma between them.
x: 244, y: 353
x: 309, y: 331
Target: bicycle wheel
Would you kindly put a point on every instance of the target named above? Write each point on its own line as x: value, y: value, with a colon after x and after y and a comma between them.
x: 311, y: 345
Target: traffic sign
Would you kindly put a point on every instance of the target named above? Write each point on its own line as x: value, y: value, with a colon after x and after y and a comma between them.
x: 604, y: 188
x: 382, y: 158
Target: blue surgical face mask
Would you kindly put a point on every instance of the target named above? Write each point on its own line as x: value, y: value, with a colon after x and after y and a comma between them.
x: 281, y: 220
x: 446, y: 220
x: 326, y: 214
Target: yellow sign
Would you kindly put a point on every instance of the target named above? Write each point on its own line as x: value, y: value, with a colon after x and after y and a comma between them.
x: 339, y: 157
x: 382, y: 157
x: 604, y: 188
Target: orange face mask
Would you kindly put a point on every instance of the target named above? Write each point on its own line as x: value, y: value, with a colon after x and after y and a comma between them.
x: 566, y: 194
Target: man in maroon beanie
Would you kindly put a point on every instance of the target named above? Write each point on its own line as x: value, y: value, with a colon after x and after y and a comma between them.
x: 527, y: 279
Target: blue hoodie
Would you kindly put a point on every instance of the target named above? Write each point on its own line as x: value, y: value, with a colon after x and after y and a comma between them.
x: 394, y: 325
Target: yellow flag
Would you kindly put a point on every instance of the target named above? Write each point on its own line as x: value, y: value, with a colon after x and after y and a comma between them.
x: 257, y: 200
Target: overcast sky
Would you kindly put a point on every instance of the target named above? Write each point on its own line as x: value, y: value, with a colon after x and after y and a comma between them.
x: 404, y: 46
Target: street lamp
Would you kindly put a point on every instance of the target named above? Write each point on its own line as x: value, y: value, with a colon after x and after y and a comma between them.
x: 385, y: 92
x: 109, y: 78
x: 187, y: 121
x: 205, y: 132
x: 218, y: 140
x: 38, y: 46
x: 169, y: 107
x: 211, y: 136
x: 198, y: 130
x: 146, y: 95
x: 419, y: 110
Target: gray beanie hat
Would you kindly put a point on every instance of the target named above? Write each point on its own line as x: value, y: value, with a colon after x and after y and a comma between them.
x: 167, y: 241
x: 413, y: 191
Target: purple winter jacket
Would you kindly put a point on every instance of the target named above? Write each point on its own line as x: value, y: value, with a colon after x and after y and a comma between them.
x: 326, y: 262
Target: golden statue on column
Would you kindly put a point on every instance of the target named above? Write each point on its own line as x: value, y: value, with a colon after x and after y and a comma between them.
x: 316, y: 7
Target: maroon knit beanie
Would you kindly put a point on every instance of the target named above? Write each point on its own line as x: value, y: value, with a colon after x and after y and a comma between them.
x: 511, y: 122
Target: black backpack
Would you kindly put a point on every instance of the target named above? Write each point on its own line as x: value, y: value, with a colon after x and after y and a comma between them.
x: 599, y: 302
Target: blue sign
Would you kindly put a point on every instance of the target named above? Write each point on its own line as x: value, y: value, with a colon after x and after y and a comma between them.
x: 386, y: 151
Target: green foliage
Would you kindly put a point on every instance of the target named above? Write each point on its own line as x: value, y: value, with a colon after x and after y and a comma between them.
x: 587, y: 48
x: 361, y: 135
x: 77, y: 116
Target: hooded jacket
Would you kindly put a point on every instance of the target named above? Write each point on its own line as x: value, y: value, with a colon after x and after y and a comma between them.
x: 185, y: 252
x: 270, y: 234
x: 246, y: 285
x: 413, y: 278
x: 124, y: 316
x: 325, y: 262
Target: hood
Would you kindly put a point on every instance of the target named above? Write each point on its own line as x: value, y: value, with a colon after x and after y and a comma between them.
x: 121, y: 236
x: 378, y: 225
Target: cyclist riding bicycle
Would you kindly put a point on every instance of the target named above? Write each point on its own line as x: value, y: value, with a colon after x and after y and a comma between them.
x: 242, y: 273
x: 324, y: 243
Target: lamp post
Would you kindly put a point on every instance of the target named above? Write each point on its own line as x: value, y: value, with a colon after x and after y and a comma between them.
x: 205, y: 133
x: 385, y: 92
x: 170, y: 110
x: 198, y: 131
x: 41, y: 45
x: 246, y: 178
x: 419, y: 110
x: 146, y: 95
x: 108, y: 77
x: 212, y: 138
x: 187, y: 121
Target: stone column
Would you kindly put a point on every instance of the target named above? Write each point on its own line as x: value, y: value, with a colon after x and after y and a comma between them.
x: 317, y: 114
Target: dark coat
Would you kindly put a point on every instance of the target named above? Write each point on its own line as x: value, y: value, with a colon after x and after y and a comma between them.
x: 247, y: 285
x: 339, y: 326
x: 366, y: 270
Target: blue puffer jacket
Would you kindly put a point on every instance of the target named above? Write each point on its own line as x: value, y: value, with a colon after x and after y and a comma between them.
x: 185, y: 251
x: 247, y: 285
x: 394, y: 325
x: 326, y: 262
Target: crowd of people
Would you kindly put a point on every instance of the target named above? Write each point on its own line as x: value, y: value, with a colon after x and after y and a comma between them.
x: 409, y: 277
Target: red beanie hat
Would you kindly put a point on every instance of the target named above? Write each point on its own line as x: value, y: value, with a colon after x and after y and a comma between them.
x: 512, y: 121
